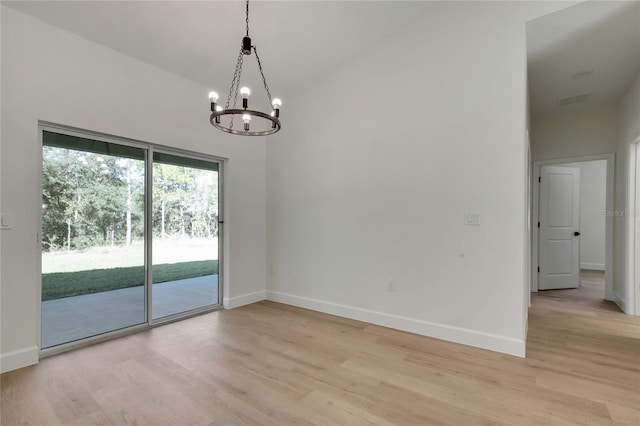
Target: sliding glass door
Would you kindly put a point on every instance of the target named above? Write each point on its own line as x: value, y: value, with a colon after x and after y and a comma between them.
x: 185, y: 234
x: 103, y: 241
x: 93, y: 251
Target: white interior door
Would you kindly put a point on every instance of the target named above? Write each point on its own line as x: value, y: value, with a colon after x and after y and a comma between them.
x: 559, y: 243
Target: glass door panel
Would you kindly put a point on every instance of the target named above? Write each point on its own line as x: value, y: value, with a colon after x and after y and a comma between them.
x: 185, y: 234
x: 93, y: 251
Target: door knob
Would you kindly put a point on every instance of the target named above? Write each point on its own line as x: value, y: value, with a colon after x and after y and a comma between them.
x: 576, y: 233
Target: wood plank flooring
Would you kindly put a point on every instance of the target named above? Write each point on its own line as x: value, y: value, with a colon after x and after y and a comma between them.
x: 273, y: 364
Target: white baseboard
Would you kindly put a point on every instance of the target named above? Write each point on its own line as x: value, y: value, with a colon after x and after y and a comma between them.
x: 464, y: 336
x: 593, y: 266
x: 18, y: 359
x: 621, y: 302
x: 243, y: 299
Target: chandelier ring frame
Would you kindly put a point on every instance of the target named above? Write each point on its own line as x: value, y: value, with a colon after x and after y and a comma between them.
x: 253, y: 113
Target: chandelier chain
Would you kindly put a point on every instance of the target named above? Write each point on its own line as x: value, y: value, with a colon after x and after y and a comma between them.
x: 234, y: 83
x: 247, y: 20
x: 264, y: 80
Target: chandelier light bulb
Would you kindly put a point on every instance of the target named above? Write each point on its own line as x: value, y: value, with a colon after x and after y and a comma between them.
x: 213, y: 97
x: 245, y: 92
x: 276, y: 106
x: 218, y: 109
x: 246, y: 118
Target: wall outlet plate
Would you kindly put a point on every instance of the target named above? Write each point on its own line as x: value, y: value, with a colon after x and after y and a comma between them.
x: 391, y: 284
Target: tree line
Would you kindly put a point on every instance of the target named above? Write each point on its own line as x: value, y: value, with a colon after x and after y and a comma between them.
x: 93, y: 200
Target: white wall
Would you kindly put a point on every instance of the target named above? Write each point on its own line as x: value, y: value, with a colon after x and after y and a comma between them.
x: 628, y: 132
x: 52, y: 75
x: 593, y: 196
x: 378, y: 162
x: 575, y: 134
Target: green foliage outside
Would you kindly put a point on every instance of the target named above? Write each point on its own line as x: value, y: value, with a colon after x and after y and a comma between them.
x: 86, y: 197
x: 93, y: 209
x: 65, y: 284
x: 92, y: 199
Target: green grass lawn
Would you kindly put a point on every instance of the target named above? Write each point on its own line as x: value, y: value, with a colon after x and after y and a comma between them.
x: 57, y: 285
x: 171, y: 250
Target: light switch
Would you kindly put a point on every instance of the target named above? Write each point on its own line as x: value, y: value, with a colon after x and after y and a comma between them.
x: 6, y: 221
x: 471, y: 218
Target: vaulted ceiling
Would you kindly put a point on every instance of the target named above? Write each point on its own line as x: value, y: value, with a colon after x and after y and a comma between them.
x: 578, y: 58
x: 583, y: 56
x: 200, y: 40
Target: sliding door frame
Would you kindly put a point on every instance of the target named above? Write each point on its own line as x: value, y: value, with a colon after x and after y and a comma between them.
x: 197, y: 311
x: 149, y: 149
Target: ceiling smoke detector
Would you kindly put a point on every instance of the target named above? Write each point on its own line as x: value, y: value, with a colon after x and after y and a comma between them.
x: 572, y: 100
x: 582, y: 74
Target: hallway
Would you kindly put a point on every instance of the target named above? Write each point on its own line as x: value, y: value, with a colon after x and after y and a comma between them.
x: 590, y: 293
x: 588, y: 347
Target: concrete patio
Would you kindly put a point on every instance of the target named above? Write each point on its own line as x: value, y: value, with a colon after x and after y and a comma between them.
x: 73, y: 318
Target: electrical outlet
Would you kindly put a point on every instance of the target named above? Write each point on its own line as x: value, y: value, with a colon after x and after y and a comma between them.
x: 391, y: 284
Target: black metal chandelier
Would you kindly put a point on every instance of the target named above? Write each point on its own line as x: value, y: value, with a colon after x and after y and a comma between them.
x: 223, y: 118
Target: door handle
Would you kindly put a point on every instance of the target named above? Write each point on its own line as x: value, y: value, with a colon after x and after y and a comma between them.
x: 577, y: 234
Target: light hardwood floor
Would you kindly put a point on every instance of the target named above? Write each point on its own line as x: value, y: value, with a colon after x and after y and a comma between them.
x: 274, y: 364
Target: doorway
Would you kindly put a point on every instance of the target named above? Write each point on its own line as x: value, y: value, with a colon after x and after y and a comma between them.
x: 594, y: 242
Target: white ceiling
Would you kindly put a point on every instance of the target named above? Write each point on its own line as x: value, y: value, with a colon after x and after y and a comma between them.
x: 601, y: 37
x: 298, y: 41
x: 200, y: 40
